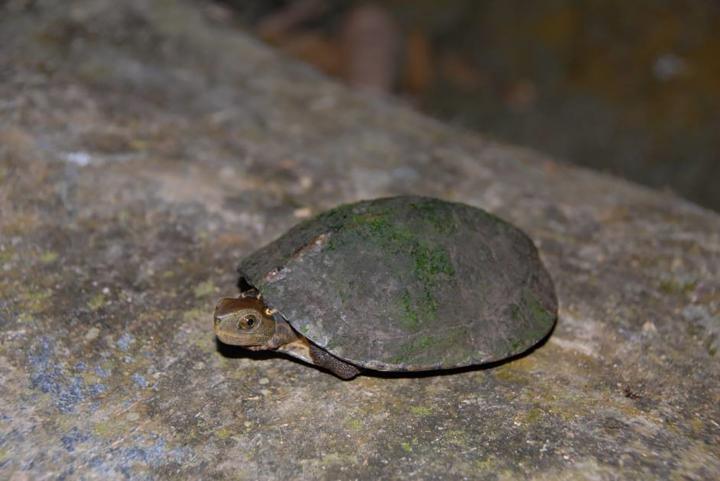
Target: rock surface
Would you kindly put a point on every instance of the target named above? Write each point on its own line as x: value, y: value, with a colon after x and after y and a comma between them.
x: 145, y: 148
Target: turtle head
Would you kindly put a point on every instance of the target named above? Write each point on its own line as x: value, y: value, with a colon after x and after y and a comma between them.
x: 244, y: 321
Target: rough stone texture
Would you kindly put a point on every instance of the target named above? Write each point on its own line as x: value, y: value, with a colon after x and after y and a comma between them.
x: 144, y: 149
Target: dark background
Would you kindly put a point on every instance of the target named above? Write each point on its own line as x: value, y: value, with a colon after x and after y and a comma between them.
x: 631, y: 88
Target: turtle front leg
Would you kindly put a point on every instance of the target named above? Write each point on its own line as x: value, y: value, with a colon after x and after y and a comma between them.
x: 341, y: 369
x: 287, y: 340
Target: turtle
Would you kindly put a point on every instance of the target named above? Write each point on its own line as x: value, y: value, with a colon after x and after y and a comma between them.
x: 403, y: 283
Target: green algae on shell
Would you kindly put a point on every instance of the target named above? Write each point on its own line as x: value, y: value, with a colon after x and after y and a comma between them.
x: 408, y: 284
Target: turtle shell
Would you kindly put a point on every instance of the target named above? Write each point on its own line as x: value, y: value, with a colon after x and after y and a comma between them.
x: 408, y: 284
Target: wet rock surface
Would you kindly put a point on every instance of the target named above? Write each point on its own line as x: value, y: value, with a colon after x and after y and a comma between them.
x: 145, y: 148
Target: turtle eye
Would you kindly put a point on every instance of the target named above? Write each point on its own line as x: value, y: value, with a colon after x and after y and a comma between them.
x: 247, y: 322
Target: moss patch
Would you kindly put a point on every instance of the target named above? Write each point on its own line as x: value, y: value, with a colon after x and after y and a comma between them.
x: 48, y: 257
x: 443, y: 346
x: 421, y: 410
x: 458, y: 438
x: 677, y: 287
x: 516, y: 372
x: 436, y: 213
x: 530, y: 416
x: 355, y: 424
x: 410, y: 350
x: 109, y: 429
x: 204, y: 289
x: 97, y: 302
x: 410, y: 317
x: 540, y: 318
x: 536, y: 319
x: 7, y: 254
x: 430, y: 263
x: 37, y: 300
